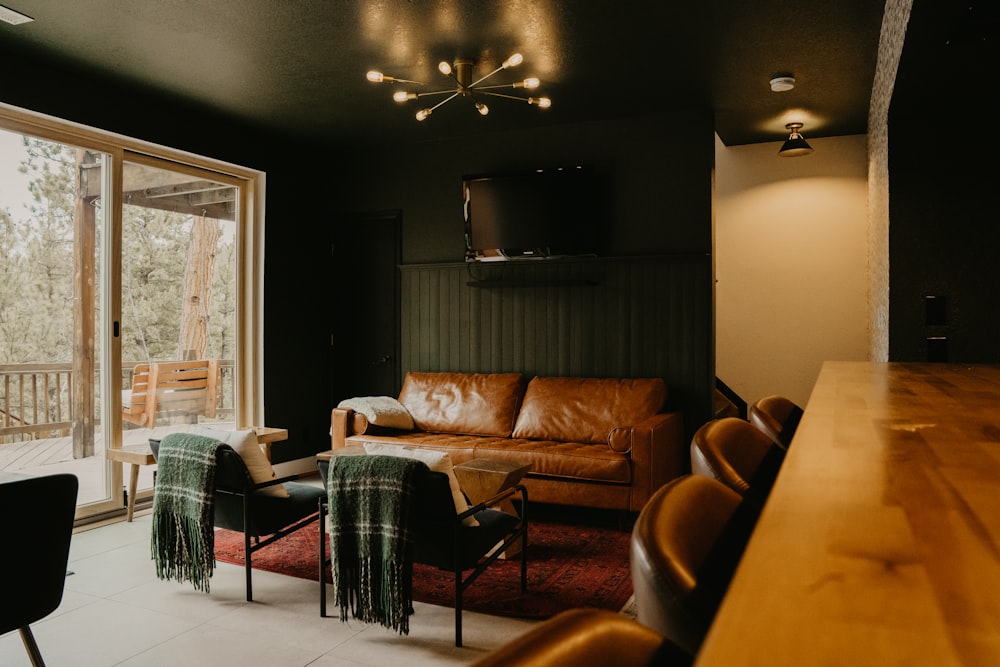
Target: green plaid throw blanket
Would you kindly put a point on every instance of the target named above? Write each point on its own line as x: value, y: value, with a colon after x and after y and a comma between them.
x: 183, y: 536
x: 371, y: 500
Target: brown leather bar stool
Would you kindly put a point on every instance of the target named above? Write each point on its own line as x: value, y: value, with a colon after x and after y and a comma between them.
x: 777, y: 417
x: 738, y: 455
x: 592, y: 637
x: 686, y: 544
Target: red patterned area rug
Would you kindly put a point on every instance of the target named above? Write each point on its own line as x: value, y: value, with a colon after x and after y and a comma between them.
x: 569, y: 566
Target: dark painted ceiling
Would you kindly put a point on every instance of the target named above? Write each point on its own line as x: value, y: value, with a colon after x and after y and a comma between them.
x: 300, y: 66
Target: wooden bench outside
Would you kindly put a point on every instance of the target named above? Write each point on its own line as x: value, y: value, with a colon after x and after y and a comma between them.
x: 188, y: 387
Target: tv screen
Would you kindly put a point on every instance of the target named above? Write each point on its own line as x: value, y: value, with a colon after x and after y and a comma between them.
x: 544, y: 213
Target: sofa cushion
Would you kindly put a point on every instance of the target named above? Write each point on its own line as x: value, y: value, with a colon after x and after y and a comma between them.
x: 571, y: 461
x: 586, y: 409
x: 464, y: 403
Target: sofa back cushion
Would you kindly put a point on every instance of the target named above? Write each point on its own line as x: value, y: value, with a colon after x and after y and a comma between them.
x: 586, y: 409
x: 464, y: 403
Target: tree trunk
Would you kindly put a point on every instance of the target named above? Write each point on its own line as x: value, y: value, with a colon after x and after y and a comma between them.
x: 193, y: 342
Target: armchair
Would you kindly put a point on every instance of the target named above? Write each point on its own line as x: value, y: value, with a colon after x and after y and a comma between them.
x: 250, y: 507
x: 441, y: 538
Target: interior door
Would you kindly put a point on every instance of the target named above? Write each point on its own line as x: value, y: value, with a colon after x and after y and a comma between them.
x: 365, y: 337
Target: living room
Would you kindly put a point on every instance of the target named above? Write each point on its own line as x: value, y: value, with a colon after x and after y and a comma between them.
x: 676, y: 191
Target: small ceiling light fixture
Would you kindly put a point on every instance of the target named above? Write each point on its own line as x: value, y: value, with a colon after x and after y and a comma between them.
x: 461, y: 73
x: 780, y: 84
x: 8, y: 15
x: 795, y: 145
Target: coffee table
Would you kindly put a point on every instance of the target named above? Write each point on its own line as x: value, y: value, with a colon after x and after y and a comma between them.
x: 482, y: 479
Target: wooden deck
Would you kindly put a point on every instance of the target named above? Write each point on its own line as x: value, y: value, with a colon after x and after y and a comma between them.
x: 55, y: 455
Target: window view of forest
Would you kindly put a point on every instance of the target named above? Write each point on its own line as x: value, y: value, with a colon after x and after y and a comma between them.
x: 178, y: 270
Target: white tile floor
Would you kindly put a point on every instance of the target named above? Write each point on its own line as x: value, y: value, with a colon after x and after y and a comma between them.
x: 116, y: 612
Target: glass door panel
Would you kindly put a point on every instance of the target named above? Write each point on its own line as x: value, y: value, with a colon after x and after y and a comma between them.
x: 178, y: 301
x: 53, y: 222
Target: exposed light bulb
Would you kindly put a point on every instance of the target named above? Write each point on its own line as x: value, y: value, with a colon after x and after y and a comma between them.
x: 423, y: 113
x: 542, y: 102
x: 402, y: 96
x: 483, y: 109
x: 513, y: 61
x: 444, y: 68
x: 376, y: 77
x: 531, y: 83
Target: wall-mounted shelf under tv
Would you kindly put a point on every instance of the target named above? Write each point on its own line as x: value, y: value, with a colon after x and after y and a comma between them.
x: 564, y: 272
x: 499, y: 283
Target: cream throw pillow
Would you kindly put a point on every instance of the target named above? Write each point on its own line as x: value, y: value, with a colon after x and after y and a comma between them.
x: 244, y: 442
x: 381, y: 411
x: 436, y: 461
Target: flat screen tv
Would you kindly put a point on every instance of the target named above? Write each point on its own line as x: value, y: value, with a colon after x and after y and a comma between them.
x: 537, y: 214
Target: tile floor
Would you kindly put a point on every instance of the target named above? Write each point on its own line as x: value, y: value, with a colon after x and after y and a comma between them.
x: 116, y: 612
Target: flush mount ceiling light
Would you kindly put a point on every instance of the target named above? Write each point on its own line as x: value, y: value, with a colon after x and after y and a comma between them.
x: 461, y: 73
x: 795, y: 145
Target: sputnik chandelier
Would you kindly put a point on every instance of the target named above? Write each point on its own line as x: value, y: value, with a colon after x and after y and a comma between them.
x: 461, y: 73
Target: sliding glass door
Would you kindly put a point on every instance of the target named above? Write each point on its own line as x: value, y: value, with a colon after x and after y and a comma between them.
x: 118, y: 268
x: 178, y: 300
x: 55, y: 225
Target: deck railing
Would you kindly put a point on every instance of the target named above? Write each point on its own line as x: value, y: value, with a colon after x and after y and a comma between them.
x: 36, y: 402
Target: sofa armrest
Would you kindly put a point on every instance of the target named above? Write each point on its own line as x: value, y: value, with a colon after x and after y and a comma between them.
x: 345, y: 422
x: 340, y: 418
x: 658, y: 455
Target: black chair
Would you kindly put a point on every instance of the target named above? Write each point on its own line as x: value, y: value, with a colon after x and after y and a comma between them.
x: 40, y: 510
x: 441, y: 539
x: 238, y: 503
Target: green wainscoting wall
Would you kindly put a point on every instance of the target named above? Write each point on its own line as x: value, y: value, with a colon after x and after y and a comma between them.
x: 594, y: 317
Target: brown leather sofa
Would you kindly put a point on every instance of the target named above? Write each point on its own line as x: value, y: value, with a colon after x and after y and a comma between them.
x: 591, y: 442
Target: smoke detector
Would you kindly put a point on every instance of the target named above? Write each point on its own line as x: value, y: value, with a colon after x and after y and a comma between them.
x: 780, y: 84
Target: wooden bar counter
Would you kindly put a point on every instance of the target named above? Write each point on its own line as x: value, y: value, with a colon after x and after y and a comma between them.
x: 880, y: 542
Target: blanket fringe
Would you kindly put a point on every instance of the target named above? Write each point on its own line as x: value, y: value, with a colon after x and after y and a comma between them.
x: 186, y: 548
x: 390, y: 607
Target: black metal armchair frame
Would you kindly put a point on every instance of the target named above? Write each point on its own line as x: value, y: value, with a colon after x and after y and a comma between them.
x: 238, y: 503
x: 443, y: 541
